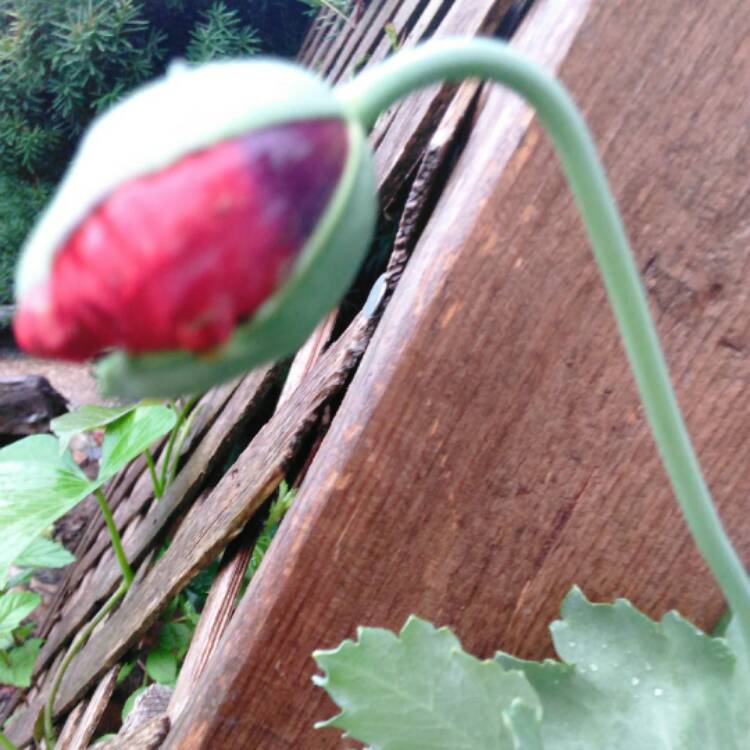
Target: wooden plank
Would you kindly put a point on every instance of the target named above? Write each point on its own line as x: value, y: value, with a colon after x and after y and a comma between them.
x: 147, y: 736
x: 207, y: 411
x: 240, y: 407
x: 250, y: 481
x: 220, y: 604
x: 360, y: 45
x: 84, y: 726
x: 410, y: 123
x: 492, y: 441
x: 333, y: 30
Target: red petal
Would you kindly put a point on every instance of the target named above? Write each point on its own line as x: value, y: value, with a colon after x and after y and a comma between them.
x: 177, y: 258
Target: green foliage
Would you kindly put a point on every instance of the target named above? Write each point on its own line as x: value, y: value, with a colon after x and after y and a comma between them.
x: 60, y: 63
x: 20, y: 202
x: 623, y: 682
x: 63, y: 61
x: 221, y: 34
x: 38, y: 484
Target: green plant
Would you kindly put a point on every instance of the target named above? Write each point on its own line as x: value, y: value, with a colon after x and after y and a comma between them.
x: 427, y: 666
x: 20, y: 203
x: 39, y: 482
x: 17, y: 650
x: 221, y: 33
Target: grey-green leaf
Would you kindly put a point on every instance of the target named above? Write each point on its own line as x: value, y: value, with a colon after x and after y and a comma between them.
x: 44, y: 553
x: 17, y: 665
x: 420, y: 691
x: 629, y: 682
x: 14, y: 607
x: 130, y: 435
x: 89, y: 417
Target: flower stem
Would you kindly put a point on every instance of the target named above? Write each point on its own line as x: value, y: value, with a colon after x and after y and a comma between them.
x: 376, y: 89
x: 127, y: 571
x: 168, y: 472
x: 6, y: 744
x: 157, y: 485
x: 75, y: 647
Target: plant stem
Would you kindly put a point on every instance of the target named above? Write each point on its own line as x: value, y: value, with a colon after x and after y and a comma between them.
x: 375, y: 90
x: 5, y: 743
x: 75, y: 647
x: 127, y: 571
x: 157, y: 485
x: 167, y: 474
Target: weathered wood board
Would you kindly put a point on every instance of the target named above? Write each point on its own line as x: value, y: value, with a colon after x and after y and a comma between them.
x: 491, y: 450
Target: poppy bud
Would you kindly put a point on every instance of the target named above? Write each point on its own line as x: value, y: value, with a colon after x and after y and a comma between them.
x: 205, y: 226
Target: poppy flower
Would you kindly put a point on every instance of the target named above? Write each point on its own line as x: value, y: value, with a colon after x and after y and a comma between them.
x: 205, y: 226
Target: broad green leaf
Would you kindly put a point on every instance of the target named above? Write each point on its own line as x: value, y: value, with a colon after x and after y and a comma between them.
x: 37, y: 486
x: 420, y: 691
x: 86, y: 419
x: 44, y: 553
x: 175, y: 637
x: 131, y: 434
x: 14, y: 607
x: 161, y: 666
x: 130, y: 702
x: 628, y: 682
x: 17, y: 664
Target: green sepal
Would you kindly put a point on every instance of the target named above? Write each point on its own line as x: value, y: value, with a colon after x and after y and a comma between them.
x: 323, y: 272
x: 187, y: 110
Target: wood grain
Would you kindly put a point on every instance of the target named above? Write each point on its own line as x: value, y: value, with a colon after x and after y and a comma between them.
x: 202, y: 535
x: 491, y: 450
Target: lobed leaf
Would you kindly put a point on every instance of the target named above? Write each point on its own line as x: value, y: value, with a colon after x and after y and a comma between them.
x: 420, y: 691
x: 628, y: 682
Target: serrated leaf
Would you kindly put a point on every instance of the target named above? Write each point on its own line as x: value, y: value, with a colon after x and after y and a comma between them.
x: 44, y: 553
x: 161, y: 666
x: 17, y: 665
x: 629, y: 682
x: 37, y: 486
x: 131, y: 434
x: 87, y: 418
x: 14, y: 607
x: 420, y: 691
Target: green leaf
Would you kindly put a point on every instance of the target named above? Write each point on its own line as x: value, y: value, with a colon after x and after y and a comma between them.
x: 421, y: 691
x: 128, y: 705
x: 44, y: 553
x: 161, y: 666
x: 628, y: 682
x: 14, y: 607
x: 131, y: 434
x: 125, y: 670
x: 37, y: 486
x: 18, y: 665
x: 86, y: 419
x: 175, y: 637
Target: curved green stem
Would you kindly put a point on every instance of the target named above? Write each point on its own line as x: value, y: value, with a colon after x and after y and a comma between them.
x: 376, y: 89
x: 155, y: 483
x: 127, y: 571
x: 168, y: 470
x: 6, y: 744
x: 75, y: 647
